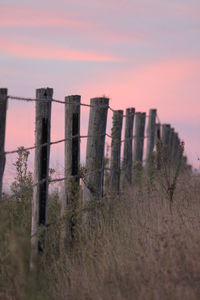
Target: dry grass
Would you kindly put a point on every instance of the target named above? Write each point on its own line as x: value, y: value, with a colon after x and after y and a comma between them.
x: 138, y: 250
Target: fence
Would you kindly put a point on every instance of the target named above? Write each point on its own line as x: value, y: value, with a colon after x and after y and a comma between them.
x: 94, y: 177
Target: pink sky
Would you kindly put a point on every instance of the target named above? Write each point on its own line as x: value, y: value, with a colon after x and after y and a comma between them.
x: 142, y: 54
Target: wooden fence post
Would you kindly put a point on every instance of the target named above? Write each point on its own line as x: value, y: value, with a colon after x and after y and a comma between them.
x: 140, y: 119
x: 138, y: 149
x: 41, y: 168
x: 128, y: 146
x: 165, y: 134
x: 72, y: 165
x: 171, y: 137
x: 116, y: 151
x: 184, y: 163
x: 94, y: 177
x: 3, y: 111
x: 165, y: 142
x: 158, y: 145
x: 150, y: 136
x: 175, y: 149
x: 72, y: 147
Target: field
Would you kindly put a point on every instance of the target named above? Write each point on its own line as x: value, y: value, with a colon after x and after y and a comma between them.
x: 141, y: 247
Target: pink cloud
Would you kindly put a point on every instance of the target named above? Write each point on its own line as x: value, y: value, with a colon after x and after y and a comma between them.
x: 26, y: 17
x: 168, y: 85
x: 42, y: 51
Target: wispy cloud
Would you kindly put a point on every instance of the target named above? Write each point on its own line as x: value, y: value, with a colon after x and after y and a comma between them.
x: 51, y: 52
x: 29, y: 17
x: 62, y: 22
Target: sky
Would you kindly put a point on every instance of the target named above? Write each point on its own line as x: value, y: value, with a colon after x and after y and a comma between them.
x: 143, y: 54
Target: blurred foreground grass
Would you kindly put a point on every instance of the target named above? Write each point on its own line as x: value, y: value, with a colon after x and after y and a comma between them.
x: 138, y: 249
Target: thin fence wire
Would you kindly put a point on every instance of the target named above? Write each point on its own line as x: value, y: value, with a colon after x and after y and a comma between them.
x: 54, y: 100
x: 67, y: 139
x: 60, y: 102
x: 56, y: 142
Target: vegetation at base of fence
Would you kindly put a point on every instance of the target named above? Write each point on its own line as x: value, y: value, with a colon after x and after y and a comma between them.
x: 137, y: 249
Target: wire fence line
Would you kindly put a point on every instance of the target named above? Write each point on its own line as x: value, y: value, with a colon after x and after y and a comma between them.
x: 56, y: 142
x: 68, y: 139
x: 63, y: 102
x: 26, y: 99
x: 54, y: 100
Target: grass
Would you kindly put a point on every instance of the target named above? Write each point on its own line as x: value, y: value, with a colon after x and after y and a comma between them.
x: 138, y: 249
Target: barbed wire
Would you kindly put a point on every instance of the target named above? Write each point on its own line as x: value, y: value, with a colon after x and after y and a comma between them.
x: 26, y: 99
x: 54, y: 100
x: 72, y: 137
x: 56, y: 142
x: 67, y: 139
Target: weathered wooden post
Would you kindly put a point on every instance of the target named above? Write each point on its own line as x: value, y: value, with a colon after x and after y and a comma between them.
x: 174, y: 148
x: 184, y: 163
x: 116, y: 151
x: 166, y: 134
x: 93, y: 187
x: 165, y: 142
x: 72, y: 147
x: 150, y: 137
x: 128, y: 146
x: 140, y: 119
x: 72, y: 164
x: 3, y: 110
x: 171, y: 137
x: 158, y: 146
x: 41, y: 168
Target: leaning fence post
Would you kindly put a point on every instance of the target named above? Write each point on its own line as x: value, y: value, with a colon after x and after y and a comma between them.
x: 150, y: 136
x: 93, y: 187
x: 116, y: 151
x: 3, y: 110
x: 128, y: 146
x: 72, y: 147
x: 41, y: 168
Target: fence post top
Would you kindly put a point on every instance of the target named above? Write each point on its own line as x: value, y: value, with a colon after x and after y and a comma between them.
x: 140, y: 114
x: 44, y: 92
x: 166, y: 125
x: 73, y: 98
x: 130, y: 110
x: 99, y: 101
x: 152, y: 110
x: 3, y: 91
x: 119, y: 111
